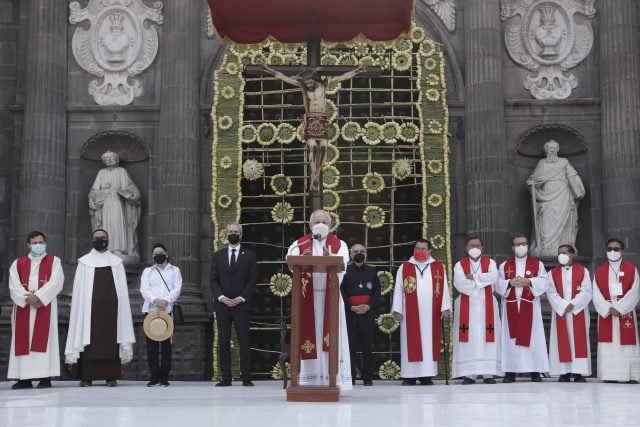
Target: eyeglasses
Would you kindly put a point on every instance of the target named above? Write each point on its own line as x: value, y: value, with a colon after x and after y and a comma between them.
x: 610, y: 249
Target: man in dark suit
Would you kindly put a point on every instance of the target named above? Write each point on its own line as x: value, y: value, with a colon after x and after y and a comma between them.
x: 233, y: 278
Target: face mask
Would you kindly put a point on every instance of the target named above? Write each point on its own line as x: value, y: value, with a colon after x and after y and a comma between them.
x: 38, y: 249
x: 563, y: 259
x: 321, y: 229
x: 100, y: 244
x: 420, y: 256
x: 160, y: 258
x: 521, y: 251
x: 474, y: 252
x: 234, y: 239
x: 359, y: 257
x: 614, y: 256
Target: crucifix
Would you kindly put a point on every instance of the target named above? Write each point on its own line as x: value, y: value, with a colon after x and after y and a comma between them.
x: 316, y: 122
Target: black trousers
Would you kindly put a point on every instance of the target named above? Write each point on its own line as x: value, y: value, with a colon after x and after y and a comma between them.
x: 360, y: 329
x: 159, y: 368
x: 224, y: 319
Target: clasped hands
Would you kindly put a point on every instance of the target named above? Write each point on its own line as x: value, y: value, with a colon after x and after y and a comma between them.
x: 360, y: 309
x: 161, y: 304
x: 309, y: 251
x: 520, y: 282
x: 33, y: 300
x: 398, y: 316
x: 231, y: 302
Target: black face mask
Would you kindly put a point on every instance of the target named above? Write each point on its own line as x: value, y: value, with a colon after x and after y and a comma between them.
x: 359, y: 257
x: 160, y: 258
x: 100, y: 244
x: 234, y: 239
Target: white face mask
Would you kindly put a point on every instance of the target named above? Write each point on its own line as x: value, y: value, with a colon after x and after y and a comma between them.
x: 521, y: 251
x: 38, y: 249
x: 474, y: 252
x: 563, y: 259
x: 614, y: 256
x: 321, y: 229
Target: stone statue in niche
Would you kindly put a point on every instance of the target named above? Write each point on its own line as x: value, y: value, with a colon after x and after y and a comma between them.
x: 114, y: 205
x: 556, y: 189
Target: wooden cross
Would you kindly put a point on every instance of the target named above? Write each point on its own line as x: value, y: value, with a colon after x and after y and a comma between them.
x: 438, y: 276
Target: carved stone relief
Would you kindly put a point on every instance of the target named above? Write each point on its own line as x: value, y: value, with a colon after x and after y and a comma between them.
x: 446, y: 11
x: 115, y: 46
x: 545, y: 37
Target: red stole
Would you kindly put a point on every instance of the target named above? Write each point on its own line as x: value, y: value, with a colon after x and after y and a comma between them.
x: 40, y: 337
x: 308, y: 320
x: 463, y: 334
x: 579, y: 327
x: 627, y: 322
x: 520, y: 320
x: 412, y: 310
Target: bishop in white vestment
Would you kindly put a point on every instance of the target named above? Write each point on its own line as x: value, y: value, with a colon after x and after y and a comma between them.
x: 569, y: 295
x: 35, y: 281
x: 420, y: 301
x: 476, y: 321
x: 521, y: 281
x: 315, y: 371
x: 616, y: 292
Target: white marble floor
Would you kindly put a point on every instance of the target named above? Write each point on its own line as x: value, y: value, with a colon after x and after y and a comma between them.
x: 191, y: 404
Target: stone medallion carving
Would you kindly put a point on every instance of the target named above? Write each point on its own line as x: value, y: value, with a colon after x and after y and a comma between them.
x: 446, y: 11
x: 548, y: 37
x: 115, y: 45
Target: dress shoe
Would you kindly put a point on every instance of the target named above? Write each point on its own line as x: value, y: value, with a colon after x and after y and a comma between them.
x: 367, y: 382
x: 509, y: 378
x: 164, y: 383
x: 632, y: 382
x: 535, y: 377
x: 85, y: 383
x: 564, y: 378
x: 426, y: 381
x: 22, y: 384
x: 577, y: 378
x: 468, y: 381
x: 44, y: 383
x: 409, y: 381
x: 489, y: 381
x: 247, y: 383
x: 224, y: 383
x: 112, y: 383
x: 152, y: 383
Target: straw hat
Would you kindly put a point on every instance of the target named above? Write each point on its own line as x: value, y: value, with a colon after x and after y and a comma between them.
x: 158, y: 326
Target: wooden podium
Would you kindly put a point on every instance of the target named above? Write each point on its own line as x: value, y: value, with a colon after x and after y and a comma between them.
x: 300, y: 263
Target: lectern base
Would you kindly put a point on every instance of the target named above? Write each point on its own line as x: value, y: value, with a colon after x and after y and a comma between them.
x: 313, y: 394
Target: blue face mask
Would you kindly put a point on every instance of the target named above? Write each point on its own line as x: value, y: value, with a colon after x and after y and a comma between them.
x: 38, y: 249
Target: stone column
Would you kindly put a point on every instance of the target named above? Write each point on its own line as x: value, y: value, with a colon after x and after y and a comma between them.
x: 620, y: 91
x: 42, y: 177
x: 486, y: 164
x: 177, y: 170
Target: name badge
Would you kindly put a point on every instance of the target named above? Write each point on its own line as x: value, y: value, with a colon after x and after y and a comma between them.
x: 616, y: 288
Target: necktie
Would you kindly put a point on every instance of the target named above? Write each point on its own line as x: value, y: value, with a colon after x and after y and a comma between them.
x: 232, y: 263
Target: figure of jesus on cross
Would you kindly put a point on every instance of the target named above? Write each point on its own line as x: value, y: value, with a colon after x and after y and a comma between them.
x: 316, y: 120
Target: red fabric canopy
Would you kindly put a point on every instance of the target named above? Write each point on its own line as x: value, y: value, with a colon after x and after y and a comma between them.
x: 290, y: 21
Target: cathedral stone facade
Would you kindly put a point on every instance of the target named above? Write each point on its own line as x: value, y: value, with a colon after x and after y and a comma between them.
x: 80, y: 77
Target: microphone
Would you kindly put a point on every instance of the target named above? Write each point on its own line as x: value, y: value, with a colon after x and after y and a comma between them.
x: 314, y: 237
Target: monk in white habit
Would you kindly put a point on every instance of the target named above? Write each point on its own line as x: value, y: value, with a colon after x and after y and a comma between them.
x: 420, y: 302
x: 616, y: 292
x: 476, y: 322
x: 314, y: 366
x: 100, y: 325
x: 34, y: 283
x: 521, y: 281
x: 569, y: 295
